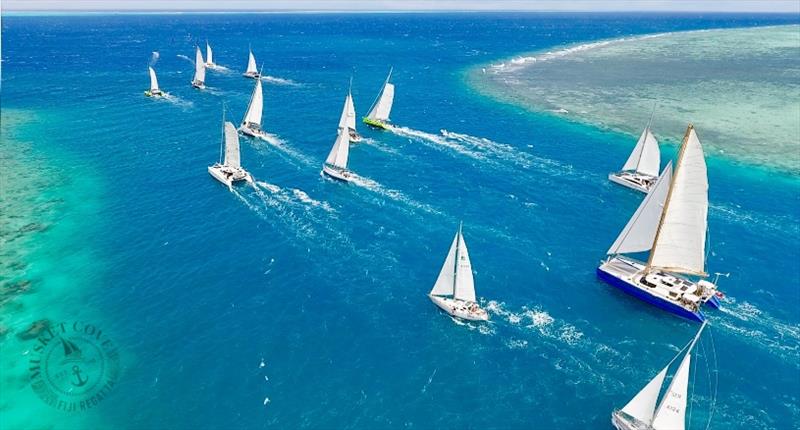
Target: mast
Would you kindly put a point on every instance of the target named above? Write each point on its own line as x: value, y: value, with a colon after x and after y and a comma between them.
x: 222, y: 142
x: 678, y: 166
x: 458, y: 248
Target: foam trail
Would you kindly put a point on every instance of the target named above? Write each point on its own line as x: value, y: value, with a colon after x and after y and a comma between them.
x: 304, y: 197
x: 391, y: 194
x: 440, y: 141
x: 276, y: 142
x: 279, y: 81
x: 379, y: 145
x: 220, y: 69
x: 177, y: 101
x: 186, y: 58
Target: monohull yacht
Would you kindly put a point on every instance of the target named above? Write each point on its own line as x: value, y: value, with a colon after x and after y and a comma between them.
x: 199, y: 80
x: 154, y: 91
x: 210, y: 57
x: 454, y: 290
x: 378, y: 115
x: 641, y: 169
x: 336, y: 164
x: 229, y: 169
x: 348, y: 119
x: 251, y: 123
x: 645, y: 412
x: 252, y: 71
x: 671, y: 224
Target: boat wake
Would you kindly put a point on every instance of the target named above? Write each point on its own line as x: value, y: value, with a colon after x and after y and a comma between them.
x: 280, y: 81
x: 181, y: 56
x: 439, y: 141
x: 220, y: 69
x: 274, y: 141
x: 177, y: 101
x: 395, y: 195
x: 293, y: 196
x: 378, y: 145
x: 538, y: 321
x: 753, y: 325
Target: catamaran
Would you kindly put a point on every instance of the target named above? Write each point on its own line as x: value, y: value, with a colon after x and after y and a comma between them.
x: 229, y: 169
x: 251, y: 124
x: 378, y: 115
x: 154, y: 91
x: 348, y: 118
x: 252, y: 71
x: 336, y: 164
x: 671, y: 224
x: 209, y: 57
x: 454, y: 290
x: 641, y: 170
x: 644, y: 412
x: 199, y: 80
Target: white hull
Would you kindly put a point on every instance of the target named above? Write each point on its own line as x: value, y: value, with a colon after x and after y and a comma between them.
x: 635, y: 180
x: 228, y: 175
x: 621, y: 422
x: 336, y: 173
x: 258, y: 134
x: 199, y: 85
x: 354, y: 136
x: 460, y: 308
x: 251, y: 75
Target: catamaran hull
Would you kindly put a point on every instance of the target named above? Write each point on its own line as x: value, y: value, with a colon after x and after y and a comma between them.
x: 339, y: 175
x: 642, y: 294
x: 459, y: 309
x: 218, y: 174
x: 377, y: 123
x: 626, y: 181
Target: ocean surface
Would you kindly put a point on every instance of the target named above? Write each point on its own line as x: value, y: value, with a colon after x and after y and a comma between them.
x: 301, y: 303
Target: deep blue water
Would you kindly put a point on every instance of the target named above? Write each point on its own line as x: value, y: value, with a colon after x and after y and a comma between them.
x: 198, y: 285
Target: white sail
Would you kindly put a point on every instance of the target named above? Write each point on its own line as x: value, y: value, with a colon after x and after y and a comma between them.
x: 209, y: 54
x: 348, y: 118
x: 639, y: 233
x: 646, y: 157
x: 232, y: 157
x: 464, y: 285
x: 153, y: 80
x: 444, y: 283
x: 254, y: 109
x: 340, y: 151
x: 681, y: 237
x: 251, y: 64
x: 199, y: 67
x: 671, y: 414
x: 643, y: 405
x: 384, y: 105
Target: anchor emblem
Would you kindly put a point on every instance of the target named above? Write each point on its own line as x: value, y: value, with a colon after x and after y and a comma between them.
x: 76, y: 370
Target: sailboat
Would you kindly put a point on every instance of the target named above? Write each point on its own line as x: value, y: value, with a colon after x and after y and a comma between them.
x: 154, y: 91
x: 209, y: 57
x: 641, y: 169
x: 251, y: 71
x: 199, y: 80
x: 454, y: 290
x: 348, y: 118
x: 229, y: 169
x: 378, y: 115
x: 671, y: 224
x: 336, y: 164
x: 644, y: 412
x: 251, y: 124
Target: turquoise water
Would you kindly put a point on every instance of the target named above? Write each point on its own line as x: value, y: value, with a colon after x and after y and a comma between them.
x: 325, y: 283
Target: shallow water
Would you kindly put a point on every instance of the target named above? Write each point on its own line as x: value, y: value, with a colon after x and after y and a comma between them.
x: 325, y: 283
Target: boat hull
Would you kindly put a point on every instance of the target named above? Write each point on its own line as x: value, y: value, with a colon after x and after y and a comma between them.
x: 376, y: 123
x: 258, y: 134
x: 354, y: 136
x: 459, y: 308
x: 633, y: 180
x: 621, y: 422
x: 343, y: 175
x: 608, y: 275
x: 229, y: 176
x: 251, y: 75
x: 199, y: 85
x: 155, y: 94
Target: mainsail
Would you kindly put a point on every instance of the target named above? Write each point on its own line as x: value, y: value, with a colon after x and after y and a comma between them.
x: 681, y: 237
x: 209, y: 54
x: 645, y: 158
x: 383, y: 106
x: 455, y: 278
x: 199, y: 67
x: 153, y: 80
x: 251, y: 64
x: 639, y: 233
x: 340, y: 151
x: 348, y: 118
x: 232, y: 157
x: 254, y: 109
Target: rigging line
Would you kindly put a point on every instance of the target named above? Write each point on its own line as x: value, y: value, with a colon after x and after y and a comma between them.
x: 694, y: 385
x: 716, y: 381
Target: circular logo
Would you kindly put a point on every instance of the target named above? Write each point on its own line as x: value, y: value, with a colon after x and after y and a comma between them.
x: 73, y: 366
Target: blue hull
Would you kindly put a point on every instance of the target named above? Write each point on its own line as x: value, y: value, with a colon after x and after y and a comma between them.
x: 649, y: 298
x: 714, y: 302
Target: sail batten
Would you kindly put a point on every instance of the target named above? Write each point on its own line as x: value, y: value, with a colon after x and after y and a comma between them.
x: 679, y: 245
x: 153, y: 80
x: 232, y: 156
x: 256, y: 106
x: 640, y: 231
x: 199, y: 66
